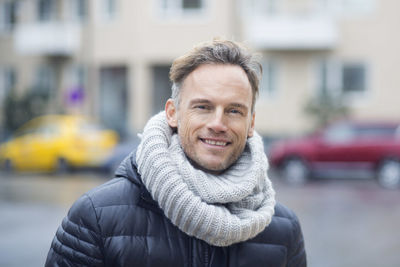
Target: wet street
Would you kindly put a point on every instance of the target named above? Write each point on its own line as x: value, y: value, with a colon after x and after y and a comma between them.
x: 345, y: 222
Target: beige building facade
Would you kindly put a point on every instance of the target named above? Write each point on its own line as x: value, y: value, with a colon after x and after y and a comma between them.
x: 110, y: 58
x: 345, y: 48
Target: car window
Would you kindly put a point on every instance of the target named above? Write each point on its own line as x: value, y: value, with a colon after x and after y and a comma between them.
x: 26, y: 130
x: 397, y: 132
x: 339, y: 133
x: 88, y: 127
x: 48, y: 130
x: 375, y: 131
x: 30, y: 127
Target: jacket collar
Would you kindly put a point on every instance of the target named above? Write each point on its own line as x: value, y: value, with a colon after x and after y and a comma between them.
x: 128, y: 169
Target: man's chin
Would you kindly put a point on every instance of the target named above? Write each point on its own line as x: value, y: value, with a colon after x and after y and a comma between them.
x: 207, y: 166
x: 212, y: 170
x: 212, y: 167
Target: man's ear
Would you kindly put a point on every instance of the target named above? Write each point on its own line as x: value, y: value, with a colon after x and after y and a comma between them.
x: 252, y: 123
x: 172, y: 113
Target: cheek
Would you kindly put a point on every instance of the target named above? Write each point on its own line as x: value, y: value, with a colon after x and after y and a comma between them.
x: 241, y: 129
x: 184, y: 130
x: 249, y: 127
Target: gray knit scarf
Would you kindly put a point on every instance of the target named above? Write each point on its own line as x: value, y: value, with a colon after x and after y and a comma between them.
x: 219, y: 209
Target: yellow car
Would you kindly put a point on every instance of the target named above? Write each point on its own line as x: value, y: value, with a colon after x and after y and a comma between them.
x: 56, y: 143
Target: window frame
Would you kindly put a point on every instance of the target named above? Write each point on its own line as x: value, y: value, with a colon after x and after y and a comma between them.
x: 268, y: 88
x: 106, y: 13
x: 52, y: 11
x: 173, y: 9
x: 354, y: 65
x: 8, y: 81
x: 334, y: 78
x: 45, y: 79
x: 8, y: 15
x: 75, y: 9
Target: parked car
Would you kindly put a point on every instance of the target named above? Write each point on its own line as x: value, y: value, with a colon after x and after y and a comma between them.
x: 344, y: 147
x: 118, y: 154
x: 57, y: 143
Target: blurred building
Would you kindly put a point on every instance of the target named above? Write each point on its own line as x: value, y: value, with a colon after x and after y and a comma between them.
x: 110, y: 58
x: 347, y: 49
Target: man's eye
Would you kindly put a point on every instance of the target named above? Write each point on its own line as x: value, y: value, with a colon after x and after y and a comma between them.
x: 201, y: 107
x: 235, y: 111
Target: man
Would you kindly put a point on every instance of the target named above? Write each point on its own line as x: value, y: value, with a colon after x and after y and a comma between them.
x: 196, y: 191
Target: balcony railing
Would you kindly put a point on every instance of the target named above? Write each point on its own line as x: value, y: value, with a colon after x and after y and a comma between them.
x: 292, y: 32
x: 50, y: 38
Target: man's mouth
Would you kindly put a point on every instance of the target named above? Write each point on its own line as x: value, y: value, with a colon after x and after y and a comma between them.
x: 215, y: 142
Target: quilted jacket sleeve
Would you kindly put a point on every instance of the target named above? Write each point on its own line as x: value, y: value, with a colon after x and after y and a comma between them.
x: 77, y: 241
x: 297, y: 253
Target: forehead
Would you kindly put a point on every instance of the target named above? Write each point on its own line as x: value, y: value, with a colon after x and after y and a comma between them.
x: 217, y: 81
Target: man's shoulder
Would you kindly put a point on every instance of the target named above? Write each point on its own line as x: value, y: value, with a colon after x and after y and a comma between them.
x: 124, y: 187
x: 283, y: 212
x: 282, y: 238
x: 285, y: 219
x: 283, y: 228
x: 104, y: 201
x: 117, y: 191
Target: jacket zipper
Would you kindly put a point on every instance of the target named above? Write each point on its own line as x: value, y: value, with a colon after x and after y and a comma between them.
x: 206, y: 256
x: 190, y: 252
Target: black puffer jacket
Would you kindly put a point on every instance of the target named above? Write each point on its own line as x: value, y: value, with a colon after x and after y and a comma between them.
x: 119, y: 224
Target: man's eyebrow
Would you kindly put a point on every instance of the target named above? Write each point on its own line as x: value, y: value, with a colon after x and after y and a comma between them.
x: 239, y: 105
x: 199, y: 101
x: 206, y: 101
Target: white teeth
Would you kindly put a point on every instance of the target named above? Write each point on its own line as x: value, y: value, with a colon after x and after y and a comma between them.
x: 218, y: 143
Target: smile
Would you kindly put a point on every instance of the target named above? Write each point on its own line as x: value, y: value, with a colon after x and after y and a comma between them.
x: 214, y: 142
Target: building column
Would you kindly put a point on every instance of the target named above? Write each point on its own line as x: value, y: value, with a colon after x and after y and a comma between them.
x: 140, y: 108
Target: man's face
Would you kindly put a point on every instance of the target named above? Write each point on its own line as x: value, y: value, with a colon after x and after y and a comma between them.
x: 214, y: 116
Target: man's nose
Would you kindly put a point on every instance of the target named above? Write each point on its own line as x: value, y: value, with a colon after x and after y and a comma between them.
x: 217, y: 122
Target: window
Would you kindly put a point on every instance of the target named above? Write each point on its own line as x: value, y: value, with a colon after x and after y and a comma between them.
x: 8, y: 15
x: 353, y: 78
x: 161, y: 86
x: 48, y: 130
x: 46, y: 10
x: 328, y: 78
x: 113, y: 101
x: 260, y: 8
x: 268, y: 79
x: 108, y: 9
x: 7, y: 82
x: 45, y: 79
x: 368, y: 131
x: 172, y: 8
x: 347, y: 7
x: 191, y: 4
x: 324, y: 78
x: 339, y: 133
x: 338, y: 78
x: 80, y: 9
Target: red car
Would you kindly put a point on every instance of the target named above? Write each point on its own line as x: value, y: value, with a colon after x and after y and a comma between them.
x: 345, y: 147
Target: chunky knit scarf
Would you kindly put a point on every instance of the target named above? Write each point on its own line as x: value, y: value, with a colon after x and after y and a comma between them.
x: 220, y: 209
